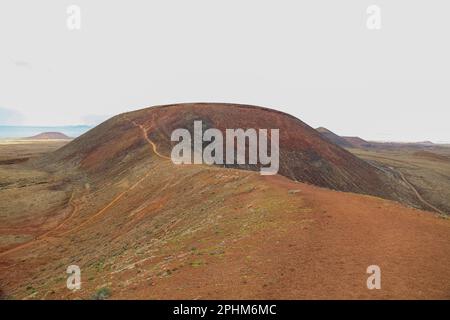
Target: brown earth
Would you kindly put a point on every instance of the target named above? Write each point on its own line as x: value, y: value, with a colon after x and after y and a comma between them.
x: 19, y: 150
x: 431, y: 156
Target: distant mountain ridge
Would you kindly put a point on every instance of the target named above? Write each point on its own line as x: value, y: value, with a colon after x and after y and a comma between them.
x: 357, y: 142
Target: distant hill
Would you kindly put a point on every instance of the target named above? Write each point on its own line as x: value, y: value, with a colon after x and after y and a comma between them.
x: 345, y: 142
x: 331, y: 136
x: 425, y: 143
x: 49, y: 136
x: 19, y: 132
x: 357, y: 142
x: 402, y: 145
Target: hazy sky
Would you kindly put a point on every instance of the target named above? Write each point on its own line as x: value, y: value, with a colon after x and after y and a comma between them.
x: 314, y: 59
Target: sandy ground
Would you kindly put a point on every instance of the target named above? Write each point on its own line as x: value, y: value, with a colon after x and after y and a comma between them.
x: 16, y: 150
x: 31, y: 141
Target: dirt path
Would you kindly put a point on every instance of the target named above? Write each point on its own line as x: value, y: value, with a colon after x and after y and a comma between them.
x: 425, y: 202
x: 122, y: 194
x: 145, y: 135
x: 105, y: 208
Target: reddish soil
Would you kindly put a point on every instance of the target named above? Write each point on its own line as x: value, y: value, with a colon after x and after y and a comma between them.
x: 323, y: 253
x: 307, y: 242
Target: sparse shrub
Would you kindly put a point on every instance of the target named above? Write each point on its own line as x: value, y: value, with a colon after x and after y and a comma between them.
x: 102, y: 294
x: 197, y: 263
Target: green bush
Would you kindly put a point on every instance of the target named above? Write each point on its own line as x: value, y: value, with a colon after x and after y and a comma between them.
x: 102, y: 294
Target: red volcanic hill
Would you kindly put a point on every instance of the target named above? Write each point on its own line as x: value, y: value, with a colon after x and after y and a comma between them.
x: 305, y: 155
x: 49, y: 136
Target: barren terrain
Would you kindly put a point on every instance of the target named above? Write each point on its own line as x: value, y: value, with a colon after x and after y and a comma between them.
x: 141, y: 227
x: 426, y: 169
x: 19, y: 150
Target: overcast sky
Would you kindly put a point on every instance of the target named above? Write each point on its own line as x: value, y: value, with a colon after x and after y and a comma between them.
x: 316, y: 60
